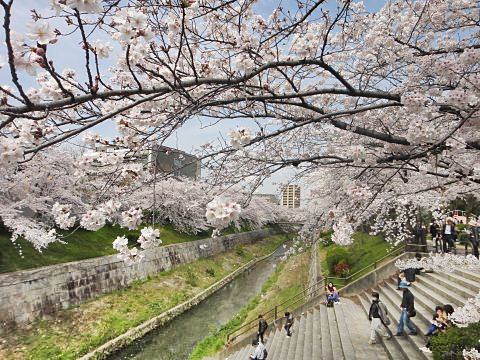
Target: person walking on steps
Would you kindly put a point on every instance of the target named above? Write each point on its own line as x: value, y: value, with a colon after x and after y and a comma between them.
x: 288, y: 323
x: 379, y: 320
x: 260, y: 352
x: 262, y: 328
x: 408, y: 311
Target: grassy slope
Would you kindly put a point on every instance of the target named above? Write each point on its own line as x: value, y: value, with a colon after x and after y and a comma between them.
x: 75, y: 331
x: 364, y: 251
x: 79, y: 245
x: 288, y: 279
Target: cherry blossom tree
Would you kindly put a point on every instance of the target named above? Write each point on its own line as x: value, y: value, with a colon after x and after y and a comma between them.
x: 379, y: 107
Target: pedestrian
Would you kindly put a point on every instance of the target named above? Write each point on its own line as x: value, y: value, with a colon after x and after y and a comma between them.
x: 435, y: 232
x: 288, y: 323
x: 475, y: 240
x: 332, y: 294
x: 260, y: 352
x: 262, y: 328
x: 379, y: 320
x: 448, y: 234
x: 407, y: 311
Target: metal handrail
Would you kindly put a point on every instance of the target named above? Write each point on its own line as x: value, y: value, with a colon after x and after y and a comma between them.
x: 278, y: 308
x: 273, y: 312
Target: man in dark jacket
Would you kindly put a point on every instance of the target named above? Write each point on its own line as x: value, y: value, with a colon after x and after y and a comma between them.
x: 262, y: 327
x: 408, y: 309
x: 376, y: 315
x: 475, y: 240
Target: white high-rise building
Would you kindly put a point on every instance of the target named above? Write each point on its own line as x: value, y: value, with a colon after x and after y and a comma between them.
x: 291, y: 196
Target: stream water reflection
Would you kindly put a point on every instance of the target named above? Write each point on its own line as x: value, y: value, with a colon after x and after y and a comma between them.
x: 176, y: 340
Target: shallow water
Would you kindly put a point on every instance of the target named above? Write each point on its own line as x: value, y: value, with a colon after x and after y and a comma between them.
x: 176, y: 340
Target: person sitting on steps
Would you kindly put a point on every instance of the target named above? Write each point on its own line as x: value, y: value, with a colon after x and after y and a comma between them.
x: 332, y: 293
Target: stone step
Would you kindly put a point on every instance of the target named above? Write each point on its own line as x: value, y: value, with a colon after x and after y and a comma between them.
x: 467, y: 274
x: 309, y: 336
x: 345, y: 339
x: 287, y: 341
x: 296, y: 333
x: 272, y: 341
x: 450, y: 288
x: 435, y: 293
x: 472, y: 285
x: 298, y: 348
x: 327, y: 351
x: 317, y: 336
x: 410, y: 345
x: 334, y: 335
x: 391, y: 347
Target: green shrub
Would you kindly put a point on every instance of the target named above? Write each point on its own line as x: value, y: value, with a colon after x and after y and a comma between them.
x: 210, y: 272
x: 342, y: 269
x: 191, y: 277
x: 449, y: 345
x: 336, y: 254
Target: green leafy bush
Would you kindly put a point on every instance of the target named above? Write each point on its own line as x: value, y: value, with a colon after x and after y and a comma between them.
x: 210, y: 271
x: 450, y: 344
x: 336, y: 255
x: 342, y: 269
x: 191, y: 277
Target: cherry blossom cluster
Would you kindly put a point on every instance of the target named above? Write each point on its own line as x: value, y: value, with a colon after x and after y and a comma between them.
x: 440, y: 263
x: 343, y: 232
x: 468, y: 313
x: 220, y: 212
x: 472, y: 354
x: 239, y: 137
x: 62, y: 214
x: 149, y: 238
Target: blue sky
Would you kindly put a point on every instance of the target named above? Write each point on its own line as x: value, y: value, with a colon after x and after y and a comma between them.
x: 67, y: 54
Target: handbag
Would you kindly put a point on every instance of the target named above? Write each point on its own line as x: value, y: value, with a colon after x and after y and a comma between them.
x: 412, y: 313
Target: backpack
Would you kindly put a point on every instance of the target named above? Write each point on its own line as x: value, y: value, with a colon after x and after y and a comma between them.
x: 383, y: 312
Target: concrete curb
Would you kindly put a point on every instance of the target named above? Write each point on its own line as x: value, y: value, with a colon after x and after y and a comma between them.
x: 141, y: 330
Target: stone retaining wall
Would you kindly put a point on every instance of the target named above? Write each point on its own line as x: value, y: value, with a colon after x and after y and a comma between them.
x: 141, y: 330
x: 26, y: 295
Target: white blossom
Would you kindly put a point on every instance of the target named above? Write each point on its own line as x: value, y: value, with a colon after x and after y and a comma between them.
x: 149, y: 237
x: 220, y: 213
x: 132, y: 218
x: 93, y: 220
x: 40, y: 32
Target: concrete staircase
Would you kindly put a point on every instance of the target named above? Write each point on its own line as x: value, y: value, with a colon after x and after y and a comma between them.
x: 430, y: 290
x: 342, y: 332
x: 321, y: 333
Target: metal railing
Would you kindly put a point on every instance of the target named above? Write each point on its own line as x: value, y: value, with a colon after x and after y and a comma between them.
x: 373, y: 266
x: 302, y: 297
x: 272, y: 315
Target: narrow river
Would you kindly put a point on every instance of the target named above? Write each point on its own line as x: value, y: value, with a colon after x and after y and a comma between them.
x: 176, y: 340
